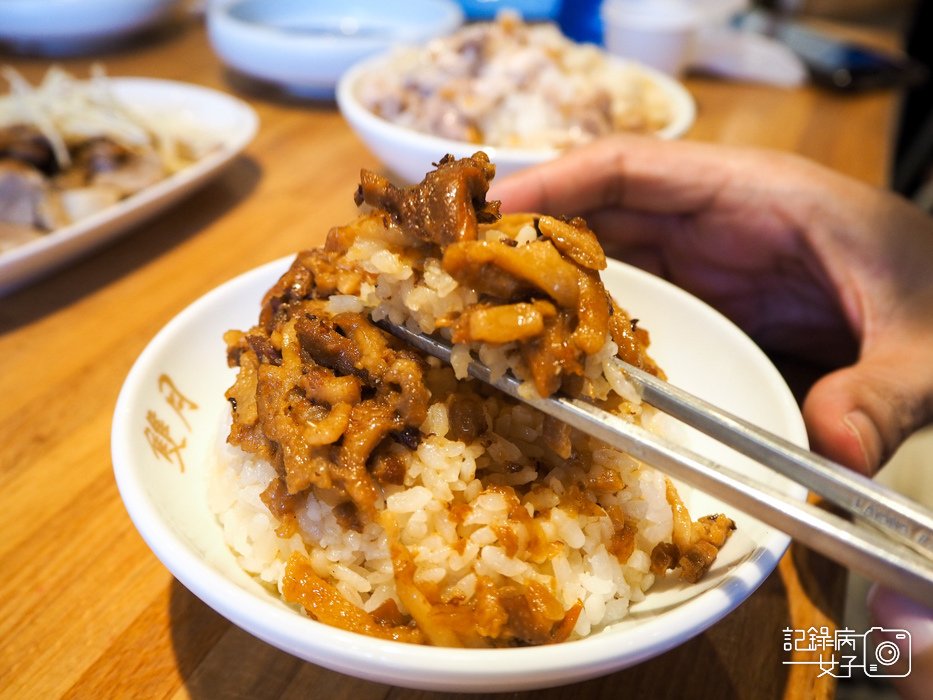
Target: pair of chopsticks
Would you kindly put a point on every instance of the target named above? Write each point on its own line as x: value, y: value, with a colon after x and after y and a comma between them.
x: 889, y: 541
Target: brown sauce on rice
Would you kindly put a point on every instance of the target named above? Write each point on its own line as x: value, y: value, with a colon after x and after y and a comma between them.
x: 346, y: 415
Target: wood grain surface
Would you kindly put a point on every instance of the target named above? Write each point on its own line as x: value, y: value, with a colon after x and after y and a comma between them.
x: 87, y: 611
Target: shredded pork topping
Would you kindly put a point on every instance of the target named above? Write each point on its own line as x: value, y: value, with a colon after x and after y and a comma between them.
x: 447, y: 206
x: 335, y: 403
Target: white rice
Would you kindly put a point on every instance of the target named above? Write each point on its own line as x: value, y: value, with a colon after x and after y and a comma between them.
x: 454, y: 510
x: 510, y: 84
x: 451, y: 551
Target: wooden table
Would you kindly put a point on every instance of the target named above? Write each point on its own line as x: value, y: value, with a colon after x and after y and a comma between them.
x: 86, y: 611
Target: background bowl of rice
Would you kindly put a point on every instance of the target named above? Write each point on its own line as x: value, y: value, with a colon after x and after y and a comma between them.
x: 165, y: 448
x: 409, y: 154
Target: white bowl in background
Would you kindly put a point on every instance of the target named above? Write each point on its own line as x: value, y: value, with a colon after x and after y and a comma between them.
x: 305, y: 46
x: 164, y: 489
x: 61, y: 27
x: 659, y: 34
x: 410, y: 154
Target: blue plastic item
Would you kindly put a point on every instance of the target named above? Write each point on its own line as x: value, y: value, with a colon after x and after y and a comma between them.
x: 580, y: 20
x: 531, y: 10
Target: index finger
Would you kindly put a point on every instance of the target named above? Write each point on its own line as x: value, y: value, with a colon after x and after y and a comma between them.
x: 634, y: 172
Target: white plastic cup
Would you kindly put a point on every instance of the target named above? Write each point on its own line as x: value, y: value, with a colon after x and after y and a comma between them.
x: 656, y: 33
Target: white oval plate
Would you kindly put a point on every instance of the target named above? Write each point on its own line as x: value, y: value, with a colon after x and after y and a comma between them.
x: 231, y: 121
x: 410, y: 153
x: 165, y: 436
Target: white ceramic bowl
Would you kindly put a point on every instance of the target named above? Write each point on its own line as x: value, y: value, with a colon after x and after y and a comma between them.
x: 305, y: 46
x: 165, y: 435
x: 69, y: 26
x: 410, y: 154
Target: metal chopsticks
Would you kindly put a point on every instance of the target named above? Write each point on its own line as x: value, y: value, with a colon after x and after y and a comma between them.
x: 888, y: 510
x: 895, y: 549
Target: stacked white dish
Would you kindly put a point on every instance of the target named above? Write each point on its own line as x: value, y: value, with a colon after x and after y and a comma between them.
x: 305, y: 46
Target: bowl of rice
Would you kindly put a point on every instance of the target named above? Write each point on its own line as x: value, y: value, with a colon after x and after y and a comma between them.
x: 522, y: 93
x: 373, y: 511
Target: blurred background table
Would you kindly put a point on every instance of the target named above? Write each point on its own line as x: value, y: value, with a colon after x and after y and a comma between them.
x: 86, y: 610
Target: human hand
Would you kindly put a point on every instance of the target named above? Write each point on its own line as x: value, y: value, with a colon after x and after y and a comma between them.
x: 891, y: 611
x: 808, y: 262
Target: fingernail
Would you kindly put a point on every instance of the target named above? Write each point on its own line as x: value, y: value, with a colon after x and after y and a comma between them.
x: 866, y: 434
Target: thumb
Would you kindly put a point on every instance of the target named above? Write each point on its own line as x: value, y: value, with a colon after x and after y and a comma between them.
x: 859, y: 415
